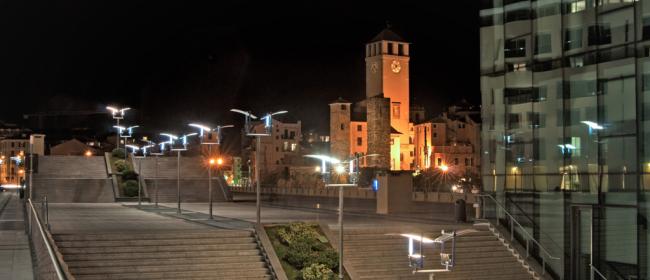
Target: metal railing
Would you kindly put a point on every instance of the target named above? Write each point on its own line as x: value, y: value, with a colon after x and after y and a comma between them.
x: 47, y: 263
x: 528, y: 237
x: 594, y: 272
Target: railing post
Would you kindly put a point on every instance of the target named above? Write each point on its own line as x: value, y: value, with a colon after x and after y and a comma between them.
x: 527, y: 245
x: 47, y: 213
x: 512, y: 229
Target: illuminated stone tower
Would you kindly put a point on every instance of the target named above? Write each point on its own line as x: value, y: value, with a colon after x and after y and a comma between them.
x: 387, y: 73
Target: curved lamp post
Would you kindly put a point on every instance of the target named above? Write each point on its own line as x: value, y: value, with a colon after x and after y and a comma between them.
x: 268, y: 125
x: 182, y: 146
x: 118, y: 114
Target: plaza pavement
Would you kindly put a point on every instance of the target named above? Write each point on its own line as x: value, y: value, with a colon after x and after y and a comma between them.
x: 15, y: 255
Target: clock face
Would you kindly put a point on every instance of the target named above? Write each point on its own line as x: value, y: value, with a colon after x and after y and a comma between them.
x: 396, y: 66
x: 373, y: 67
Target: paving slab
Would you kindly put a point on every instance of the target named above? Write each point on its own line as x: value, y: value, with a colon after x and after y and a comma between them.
x: 15, y: 255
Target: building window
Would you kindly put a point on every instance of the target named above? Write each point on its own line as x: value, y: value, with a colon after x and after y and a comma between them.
x: 573, y: 37
x: 455, y: 161
x: 646, y: 28
x: 411, y: 153
x: 277, y: 149
x: 466, y: 161
x: 434, y: 126
x: 401, y: 158
x: 576, y: 6
x: 439, y: 161
x: 542, y: 43
x: 515, y: 48
x: 513, y: 121
x: 599, y: 34
x: 343, y: 107
x: 396, y: 110
x: 410, y: 140
x: 359, y: 128
x: 359, y: 141
x: 292, y: 135
x: 342, y: 126
x: 293, y: 147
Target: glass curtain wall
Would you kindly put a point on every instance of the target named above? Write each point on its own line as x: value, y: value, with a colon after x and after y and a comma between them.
x: 566, y: 89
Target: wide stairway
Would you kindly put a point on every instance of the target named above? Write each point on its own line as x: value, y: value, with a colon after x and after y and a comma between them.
x: 72, y: 179
x: 382, y: 254
x: 194, y: 179
x: 209, y: 254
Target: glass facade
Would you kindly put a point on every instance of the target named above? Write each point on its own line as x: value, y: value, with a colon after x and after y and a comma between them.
x: 565, y: 90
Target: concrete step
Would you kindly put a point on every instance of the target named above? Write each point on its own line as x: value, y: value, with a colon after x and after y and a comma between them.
x: 160, y: 255
x: 253, y: 273
x: 155, y: 242
x: 165, y: 261
x: 150, y: 249
x: 234, y: 267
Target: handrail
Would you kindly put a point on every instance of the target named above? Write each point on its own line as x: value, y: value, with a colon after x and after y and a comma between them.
x: 594, y: 269
x: 512, y: 218
x: 57, y: 266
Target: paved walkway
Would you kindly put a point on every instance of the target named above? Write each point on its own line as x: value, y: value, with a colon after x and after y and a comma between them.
x: 15, y: 255
x: 111, y: 217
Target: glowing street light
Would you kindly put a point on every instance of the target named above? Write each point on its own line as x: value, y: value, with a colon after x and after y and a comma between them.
x: 202, y: 128
x: 444, y: 168
x: 178, y: 149
x: 118, y: 114
x: 88, y: 153
x: 268, y: 125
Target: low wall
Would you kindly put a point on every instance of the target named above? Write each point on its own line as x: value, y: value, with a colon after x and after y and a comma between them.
x: 192, y: 190
x: 441, y: 197
x: 60, y: 190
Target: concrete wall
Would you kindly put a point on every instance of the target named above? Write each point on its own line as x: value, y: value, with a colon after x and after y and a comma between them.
x: 394, y: 193
x: 192, y: 190
x: 73, y: 190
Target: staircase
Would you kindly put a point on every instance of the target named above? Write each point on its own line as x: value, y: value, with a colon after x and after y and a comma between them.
x: 214, y: 254
x: 382, y: 254
x: 68, y: 179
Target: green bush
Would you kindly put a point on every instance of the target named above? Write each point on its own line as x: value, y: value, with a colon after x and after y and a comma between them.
x: 119, y: 153
x: 328, y: 257
x: 130, y: 188
x: 298, y: 231
x: 121, y: 165
x: 129, y: 175
x: 317, y: 272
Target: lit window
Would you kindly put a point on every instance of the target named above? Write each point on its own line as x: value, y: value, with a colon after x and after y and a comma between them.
x: 293, y: 147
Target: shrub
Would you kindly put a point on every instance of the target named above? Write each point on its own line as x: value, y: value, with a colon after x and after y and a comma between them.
x: 130, y: 188
x: 302, y: 232
x: 129, y: 175
x: 317, y: 272
x: 119, y: 153
x: 121, y: 165
x: 327, y: 257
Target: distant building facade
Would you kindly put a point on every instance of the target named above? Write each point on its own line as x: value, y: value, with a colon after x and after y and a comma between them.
x: 280, y: 150
x: 448, y: 140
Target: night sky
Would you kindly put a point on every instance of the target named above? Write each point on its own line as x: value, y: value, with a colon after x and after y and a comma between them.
x: 185, y: 61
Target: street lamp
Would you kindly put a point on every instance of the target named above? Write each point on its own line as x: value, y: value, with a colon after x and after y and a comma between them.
x: 118, y: 114
x: 182, y: 146
x: 268, y: 129
x: 157, y: 153
x: 211, y: 162
x: 340, y: 169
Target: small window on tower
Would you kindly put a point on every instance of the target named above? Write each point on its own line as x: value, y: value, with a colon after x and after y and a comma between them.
x: 400, y: 49
x: 359, y: 141
x: 439, y: 164
x: 396, y: 110
x: 343, y: 107
x: 359, y: 128
x: 342, y: 126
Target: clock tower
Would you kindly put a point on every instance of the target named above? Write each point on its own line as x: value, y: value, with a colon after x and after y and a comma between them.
x: 387, y: 73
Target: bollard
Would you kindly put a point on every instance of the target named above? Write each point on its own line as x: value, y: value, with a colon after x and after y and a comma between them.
x: 477, y: 210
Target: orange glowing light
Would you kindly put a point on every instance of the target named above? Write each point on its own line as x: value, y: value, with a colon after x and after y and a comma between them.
x: 444, y: 168
x: 211, y: 161
x: 88, y: 153
x: 219, y: 161
x: 21, y: 171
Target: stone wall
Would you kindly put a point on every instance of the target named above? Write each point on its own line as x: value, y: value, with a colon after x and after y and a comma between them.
x: 379, y: 132
x: 340, y: 129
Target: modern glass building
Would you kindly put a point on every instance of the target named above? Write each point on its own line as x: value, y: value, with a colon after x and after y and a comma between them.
x: 566, y: 128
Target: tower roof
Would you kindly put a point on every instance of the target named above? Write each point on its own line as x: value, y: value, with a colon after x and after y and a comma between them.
x: 340, y: 100
x: 387, y: 35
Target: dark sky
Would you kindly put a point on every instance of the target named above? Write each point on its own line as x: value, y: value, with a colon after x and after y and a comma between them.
x: 194, y: 60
